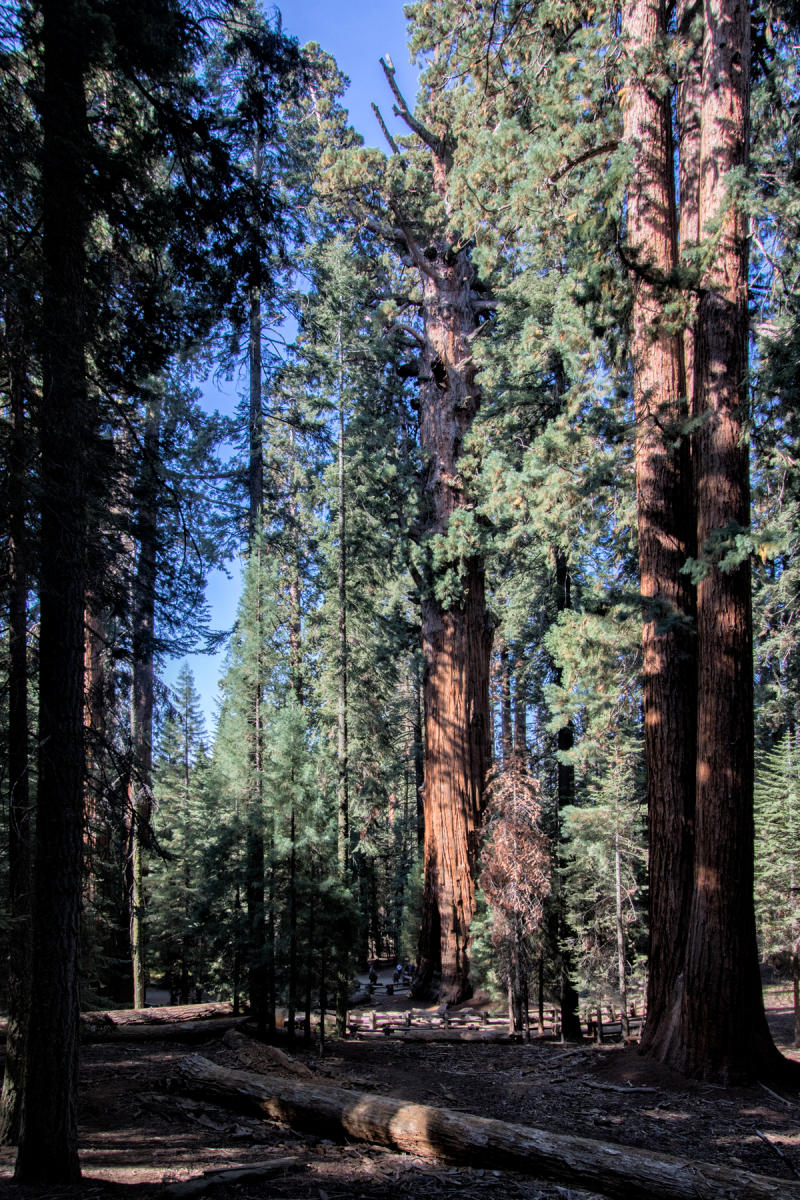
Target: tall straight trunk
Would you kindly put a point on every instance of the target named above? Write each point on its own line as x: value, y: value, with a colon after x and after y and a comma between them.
x: 48, y: 1151
x: 143, y: 606
x: 255, y: 469
x: 622, y: 966
x: 19, y: 816
x: 456, y: 637
x: 419, y: 757
x: 520, y: 720
x: 342, y: 767
x: 665, y: 523
x: 506, y: 726
x: 722, y: 1031
x: 565, y: 796
x: 258, y: 955
x: 687, y: 109
x: 257, y: 980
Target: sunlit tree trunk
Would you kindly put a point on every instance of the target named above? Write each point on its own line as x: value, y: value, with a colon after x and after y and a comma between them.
x: 722, y: 1032
x: 456, y: 636
x: 665, y: 519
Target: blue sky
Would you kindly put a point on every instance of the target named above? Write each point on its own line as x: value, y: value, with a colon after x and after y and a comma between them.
x: 357, y: 35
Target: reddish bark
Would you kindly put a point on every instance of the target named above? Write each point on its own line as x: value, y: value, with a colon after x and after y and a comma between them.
x: 663, y: 489
x: 722, y: 1031
x: 456, y: 640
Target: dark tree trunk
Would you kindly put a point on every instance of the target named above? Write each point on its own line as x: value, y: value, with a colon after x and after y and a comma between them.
x: 665, y: 526
x: 19, y: 816
x: 257, y: 979
x: 48, y: 1151
x: 506, y: 725
x: 565, y: 795
x: 143, y: 620
x: 342, y: 744
x: 722, y: 1031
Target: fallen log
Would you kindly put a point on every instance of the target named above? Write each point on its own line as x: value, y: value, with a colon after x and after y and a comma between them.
x: 180, y: 1031
x: 618, y: 1171
x: 403, y: 1033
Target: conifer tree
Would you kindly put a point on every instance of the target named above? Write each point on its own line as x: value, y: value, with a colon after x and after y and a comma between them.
x: 182, y: 821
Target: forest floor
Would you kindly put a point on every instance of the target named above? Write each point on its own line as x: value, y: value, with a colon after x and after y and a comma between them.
x: 137, y: 1135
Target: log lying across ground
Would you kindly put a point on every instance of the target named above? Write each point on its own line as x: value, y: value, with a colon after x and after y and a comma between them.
x: 618, y: 1171
x: 191, y: 1022
x: 186, y: 1031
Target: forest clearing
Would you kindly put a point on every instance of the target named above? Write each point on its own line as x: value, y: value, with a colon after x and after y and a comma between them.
x: 144, y: 1132
x: 487, y: 428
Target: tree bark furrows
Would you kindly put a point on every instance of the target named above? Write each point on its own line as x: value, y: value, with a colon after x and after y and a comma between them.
x: 723, y: 1030
x: 665, y: 524
x: 48, y: 1139
x: 456, y: 640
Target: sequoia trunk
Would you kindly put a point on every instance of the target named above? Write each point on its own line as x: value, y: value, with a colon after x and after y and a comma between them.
x: 722, y: 1030
x: 456, y: 637
x: 665, y: 525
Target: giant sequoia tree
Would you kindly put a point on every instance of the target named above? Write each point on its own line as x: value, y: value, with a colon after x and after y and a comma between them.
x: 456, y: 632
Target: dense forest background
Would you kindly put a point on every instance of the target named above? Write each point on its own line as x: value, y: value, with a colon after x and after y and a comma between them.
x: 513, y: 487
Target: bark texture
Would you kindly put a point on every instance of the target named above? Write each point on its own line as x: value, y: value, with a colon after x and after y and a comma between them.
x: 48, y: 1150
x: 619, y: 1171
x: 665, y: 520
x: 456, y: 639
x: 722, y: 1028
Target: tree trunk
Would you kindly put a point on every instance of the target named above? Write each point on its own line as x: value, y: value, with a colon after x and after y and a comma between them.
x: 456, y: 635
x: 663, y: 492
x: 19, y: 816
x: 440, y: 1133
x: 257, y: 976
x: 342, y: 766
x: 622, y: 966
x: 143, y: 621
x: 565, y: 795
x: 506, y: 727
x: 48, y: 1151
x: 722, y: 1031
x: 258, y: 984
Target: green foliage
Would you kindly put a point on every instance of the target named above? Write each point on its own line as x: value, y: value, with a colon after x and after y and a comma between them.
x: 184, y: 824
x: 777, y: 866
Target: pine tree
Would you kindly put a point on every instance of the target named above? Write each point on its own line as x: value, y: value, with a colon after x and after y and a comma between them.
x: 777, y: 812
x: 183, y: 821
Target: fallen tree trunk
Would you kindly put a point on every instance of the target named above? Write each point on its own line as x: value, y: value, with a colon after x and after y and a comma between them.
x: 452, y: 1034
x: 618, y: 1171
x: 93, y: 1023
x: 186, y: 1031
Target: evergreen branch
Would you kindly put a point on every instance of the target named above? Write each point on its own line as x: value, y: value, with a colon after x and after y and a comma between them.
x: 384, y: 130
x: 420, y: 261
x: 401, y: 109
x: 412, y: 333
x: 571, y: 163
